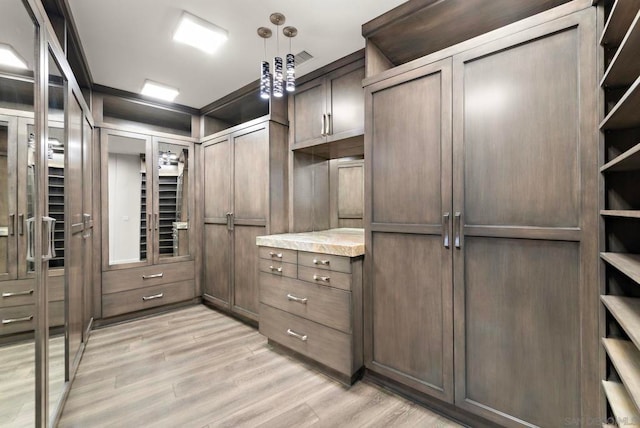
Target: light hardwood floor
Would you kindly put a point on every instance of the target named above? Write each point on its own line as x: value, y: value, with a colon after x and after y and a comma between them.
x: 199, y: 368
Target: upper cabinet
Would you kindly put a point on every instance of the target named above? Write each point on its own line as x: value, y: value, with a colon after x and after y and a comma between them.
x: 328, y: 108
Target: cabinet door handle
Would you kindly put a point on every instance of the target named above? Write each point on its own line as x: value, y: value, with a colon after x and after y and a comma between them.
x: 12, y: 224
x: 302, y: 337
x: 321, y: 262
x: 51, y: 227
x: 155, y: 275
x: 302, y: 300
x: 155, y: 296
x: 157, y: 221
x: 277, y: 255
x: 15, y: 320
x: 321, y: 278
x: 324, y: 124
x: 445, y: 226
x: 458, y: 226
x: 18, y: 293
x: 149, y: 223
x: 328, y: 128
x: 20, y: 224
x: 276, y: 269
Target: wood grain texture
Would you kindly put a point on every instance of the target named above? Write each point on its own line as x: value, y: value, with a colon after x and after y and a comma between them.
x: 626, y: 311
x: 625, y: 357
x: 217, y: 263
x: 217, y: 179
x: 324, y: 261
x: 620, y: 18
x: 623, y: 114
x: 624, y: 67
x: 325, y: 305
x: 250, y: 174
x: 196, y: 368
x: 245, y: 280
x: 278, y: 254
x: 627, y: 161
x: 130, y: 279
x: 144, y: 298
x: 323, y: 277
x: 624, y: 410
x: 629, y: 264
x: 345, y: 102
x: 278, y: 268
x: 524, y: 87
x: 306, y: 110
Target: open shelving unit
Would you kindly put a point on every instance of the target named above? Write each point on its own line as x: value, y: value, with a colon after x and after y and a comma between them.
x: 620, y: 211
x: 56, y: 210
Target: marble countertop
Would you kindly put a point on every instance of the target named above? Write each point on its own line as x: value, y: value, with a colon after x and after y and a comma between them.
x: 340, y: 242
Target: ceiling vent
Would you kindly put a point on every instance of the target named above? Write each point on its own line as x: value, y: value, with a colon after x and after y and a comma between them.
x: 302, y: 57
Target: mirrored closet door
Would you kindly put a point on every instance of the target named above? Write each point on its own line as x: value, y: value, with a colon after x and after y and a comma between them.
x: 19, y: 207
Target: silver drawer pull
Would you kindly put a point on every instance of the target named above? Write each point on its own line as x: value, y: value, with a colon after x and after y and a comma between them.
x: 155, y: 275
x: 278, y: 255
x: 18, y: 293
x: 155, y: 296
x: 23, y: 319
x: 321, y: 278
x: 321, y: 262
x: 279, y: 269
x: 302, y: 300
x: 296, y: 335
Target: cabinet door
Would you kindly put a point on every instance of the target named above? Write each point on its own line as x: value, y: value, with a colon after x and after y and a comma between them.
x: 217, y: 203
x: 525, y: 150
x: 409, y: 317
x: 8, y: 198
x: 307, y: 114
x: 345, y: 102
x: 174, y: 200
x: 127, y: 199
x: 250, y: 213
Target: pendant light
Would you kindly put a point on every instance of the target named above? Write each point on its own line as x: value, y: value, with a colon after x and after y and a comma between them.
x: 278, y: 76
x: 282, y: 78
x: 265, y: 76
x: 290, y: 32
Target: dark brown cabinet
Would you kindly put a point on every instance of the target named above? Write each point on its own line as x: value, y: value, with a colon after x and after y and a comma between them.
x: 481, y: 237
x: 328, y: 108
x: 244, y: 197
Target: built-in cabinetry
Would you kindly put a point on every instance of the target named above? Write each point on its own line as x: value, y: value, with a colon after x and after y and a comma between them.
x: 311, y: 302
x: 620, y: 210
x: 244, y: 195
x: 328, y: 108
x: 481, y: 281
x: 147, y: 222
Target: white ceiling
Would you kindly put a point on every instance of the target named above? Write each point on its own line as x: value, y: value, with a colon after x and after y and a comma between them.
x: 128, y: 41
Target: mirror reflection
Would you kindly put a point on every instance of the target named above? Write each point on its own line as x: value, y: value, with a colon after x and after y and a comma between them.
x: 173, y: 200
x: 56, y: 154
x: 17, y: 286
x: 129, y: 213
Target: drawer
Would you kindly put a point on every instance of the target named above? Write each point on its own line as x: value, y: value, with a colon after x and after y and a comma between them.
x: 325, y: 277
x: 286, y: 256
x: 318, y: 342
x: 130, y: 279
x: 56, y: 313
x: 145, y: 298
x: 278, y: 268
x: 17, y: 319
x: 17, y: 293
x: 325, y: 261
x: 324, y: 305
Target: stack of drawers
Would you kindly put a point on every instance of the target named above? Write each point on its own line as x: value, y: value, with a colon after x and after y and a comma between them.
x: 18, y: 305
x: 311, y: 303
x: 135, y: 289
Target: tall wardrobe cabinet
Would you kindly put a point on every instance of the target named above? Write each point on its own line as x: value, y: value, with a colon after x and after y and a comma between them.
x: 481, y: 230
x: 245, y: 196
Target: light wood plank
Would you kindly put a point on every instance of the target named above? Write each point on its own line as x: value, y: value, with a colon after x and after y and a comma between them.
x: 621, y: 213
x: 624, y: 66
x: 620, y: 18
x: 196, y: 367
x: 625, y: 412
x: 627, y: 161
x: 624, y: 113
x: 626, y: 311
x: 626, y: 359
x: 629, y: 264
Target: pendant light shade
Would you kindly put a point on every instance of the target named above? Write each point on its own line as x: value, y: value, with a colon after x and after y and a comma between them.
x: 265, y: 80
x: 278, y: 78
x: 291, y: 72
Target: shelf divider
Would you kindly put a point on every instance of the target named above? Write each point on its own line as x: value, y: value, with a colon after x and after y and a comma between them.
x: 625, y: 67
x: 624, y: 411
x: 625, y: 113
x: 626, y: 310
x: 626, y: 359
x: 627, y: 161
x: 629, y: 264
x: 619, y: 20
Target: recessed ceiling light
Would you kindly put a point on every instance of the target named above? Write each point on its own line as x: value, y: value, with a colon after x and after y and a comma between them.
x: 10, y: 58
x: 160, y: 91
x: 199, y: 33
